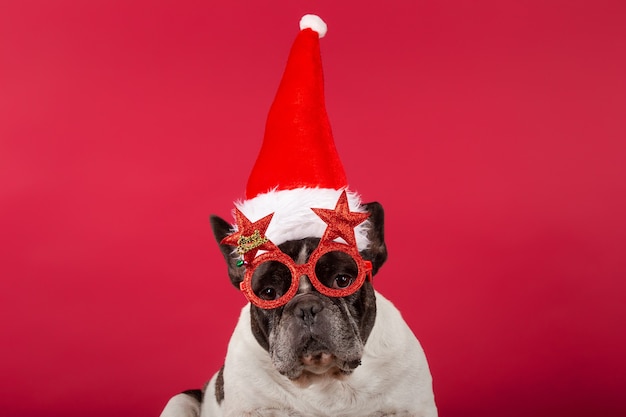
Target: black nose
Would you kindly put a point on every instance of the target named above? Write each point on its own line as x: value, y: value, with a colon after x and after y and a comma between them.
x: 307, y: 308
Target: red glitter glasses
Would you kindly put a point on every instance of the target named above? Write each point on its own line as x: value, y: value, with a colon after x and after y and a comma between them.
x: 272, y: 278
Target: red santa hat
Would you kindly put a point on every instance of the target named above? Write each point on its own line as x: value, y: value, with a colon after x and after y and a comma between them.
x: 298, y: 167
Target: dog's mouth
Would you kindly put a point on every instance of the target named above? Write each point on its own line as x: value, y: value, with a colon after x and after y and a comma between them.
x: 317, y: 358
x: 317, y: 361
x: 329, y: 348
x: 321, y: 365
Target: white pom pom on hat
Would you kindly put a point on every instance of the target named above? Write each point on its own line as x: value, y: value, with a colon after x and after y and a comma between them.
x: 314, y: 22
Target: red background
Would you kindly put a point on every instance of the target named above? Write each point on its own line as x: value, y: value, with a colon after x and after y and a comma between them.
x: 493, y: 133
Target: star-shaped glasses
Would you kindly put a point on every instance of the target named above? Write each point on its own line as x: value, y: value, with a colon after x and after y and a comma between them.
x: 272, y: 278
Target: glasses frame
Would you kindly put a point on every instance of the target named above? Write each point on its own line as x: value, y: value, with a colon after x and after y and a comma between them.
x: 298, y: 270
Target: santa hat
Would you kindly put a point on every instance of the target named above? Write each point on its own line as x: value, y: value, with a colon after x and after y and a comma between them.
x: 298, y: 167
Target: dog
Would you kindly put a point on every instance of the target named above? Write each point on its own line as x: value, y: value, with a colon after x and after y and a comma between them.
x: 316, y: 355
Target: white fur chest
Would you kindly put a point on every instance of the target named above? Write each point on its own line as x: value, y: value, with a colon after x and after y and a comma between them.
x: 393, y: 378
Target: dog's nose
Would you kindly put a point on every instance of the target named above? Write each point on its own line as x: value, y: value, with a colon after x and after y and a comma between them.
x: 307, y: 308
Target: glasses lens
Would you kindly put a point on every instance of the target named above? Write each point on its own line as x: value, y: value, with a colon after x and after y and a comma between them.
x: 336, y: 270
x: 271, y: 280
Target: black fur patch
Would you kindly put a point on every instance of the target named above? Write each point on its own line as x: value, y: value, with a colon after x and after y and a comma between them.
x: 219, y: 386
x: 194, y: 393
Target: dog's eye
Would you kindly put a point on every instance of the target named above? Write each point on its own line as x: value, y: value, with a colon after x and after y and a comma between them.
x: 336, y: 269
x: 267, y: 293
x: 271, y: 280
x: 342, y: 281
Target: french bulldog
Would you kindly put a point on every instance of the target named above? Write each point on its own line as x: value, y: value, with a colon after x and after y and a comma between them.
x: 316, y: 355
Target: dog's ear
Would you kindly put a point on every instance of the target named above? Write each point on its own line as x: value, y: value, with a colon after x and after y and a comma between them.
x: 221, y: 229
x: 377, y: 251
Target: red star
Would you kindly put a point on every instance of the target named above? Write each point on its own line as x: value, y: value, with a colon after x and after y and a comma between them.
x: 245, y: 230
x: 341, y: 221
